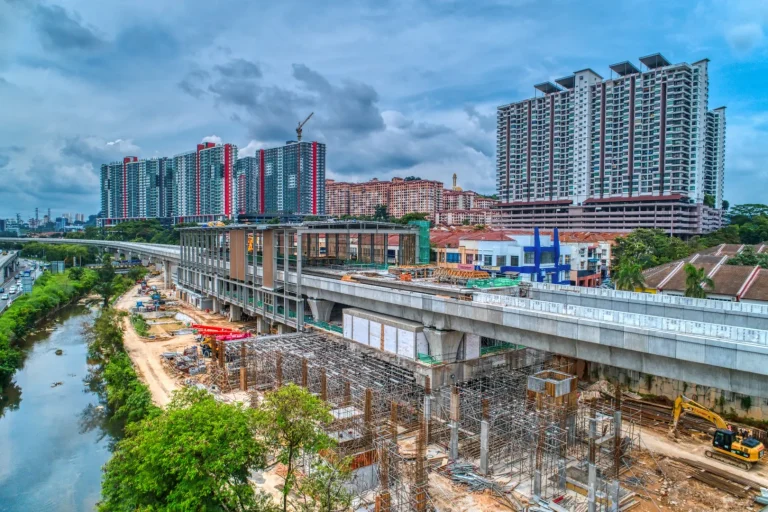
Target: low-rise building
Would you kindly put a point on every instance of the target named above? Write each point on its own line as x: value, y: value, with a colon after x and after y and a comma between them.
x: 590, y: 257
x: 737, y: 283
x: 535, y: 256
x: 464, y: 217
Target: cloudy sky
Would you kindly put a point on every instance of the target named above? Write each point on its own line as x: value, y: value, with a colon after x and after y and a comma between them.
x: 398, y: 87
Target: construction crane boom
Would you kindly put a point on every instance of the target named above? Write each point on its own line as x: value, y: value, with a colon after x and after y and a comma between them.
x: 301, y: 126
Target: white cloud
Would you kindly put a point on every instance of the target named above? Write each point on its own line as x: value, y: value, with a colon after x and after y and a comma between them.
x: 251, y: 148
x: 212, y: 138
x: 745, y: 37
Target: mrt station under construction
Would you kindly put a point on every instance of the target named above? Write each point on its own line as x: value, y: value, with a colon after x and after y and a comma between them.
x: 516, y: 432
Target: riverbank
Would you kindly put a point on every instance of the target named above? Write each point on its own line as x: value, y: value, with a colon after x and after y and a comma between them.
x: 53, y: 437
x: 49, y: 295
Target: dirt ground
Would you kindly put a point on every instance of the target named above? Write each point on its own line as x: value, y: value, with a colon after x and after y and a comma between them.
x: 146, y: 354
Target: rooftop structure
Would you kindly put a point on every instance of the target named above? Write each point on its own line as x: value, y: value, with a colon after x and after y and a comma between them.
x: 251, y: 262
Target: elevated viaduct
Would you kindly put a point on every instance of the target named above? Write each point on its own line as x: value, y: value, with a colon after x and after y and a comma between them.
x: 699, y: 342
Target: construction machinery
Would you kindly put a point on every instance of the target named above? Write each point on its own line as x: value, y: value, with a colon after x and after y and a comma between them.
x: 301, y: 126
x: 727, y: 446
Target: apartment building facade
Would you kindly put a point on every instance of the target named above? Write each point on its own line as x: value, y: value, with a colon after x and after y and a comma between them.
x: 400, y: 196
x: 466, y: 200
x: 288, y: 179
x: 640, y: 136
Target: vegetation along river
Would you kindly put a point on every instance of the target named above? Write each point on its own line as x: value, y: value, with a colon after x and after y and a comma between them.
x: 53, y: 435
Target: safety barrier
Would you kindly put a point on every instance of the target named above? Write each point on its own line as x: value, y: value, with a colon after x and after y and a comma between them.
x: 661, y: 299
x: 726, y: 332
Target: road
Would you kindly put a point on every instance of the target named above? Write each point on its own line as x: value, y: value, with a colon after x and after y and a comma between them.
x: 23, y: 265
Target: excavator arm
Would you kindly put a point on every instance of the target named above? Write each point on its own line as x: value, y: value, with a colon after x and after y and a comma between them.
x: 685, y: 404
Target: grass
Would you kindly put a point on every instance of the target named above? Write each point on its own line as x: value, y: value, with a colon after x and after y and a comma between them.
x: 140, y: 325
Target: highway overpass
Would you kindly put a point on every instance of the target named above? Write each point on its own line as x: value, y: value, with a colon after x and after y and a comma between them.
x: 667, y: 340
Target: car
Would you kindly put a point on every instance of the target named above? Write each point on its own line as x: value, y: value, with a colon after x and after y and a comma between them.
x: 2, y: 290
x: 4, y: 297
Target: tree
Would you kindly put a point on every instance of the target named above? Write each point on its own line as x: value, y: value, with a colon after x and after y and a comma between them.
x: 75, y: 273
x: 380, y: 212
x: 412, y: 178
x: 649, y: 248
x: 628, y: 276
x: 106, y: 276
x: 696, y: 282
x: 748, y: 257
x: 709, y: 200
x: 292, y: 421
x: 726, y: 204
x: 465, y: 222
x: 324, y: 489
x: 196, y: 455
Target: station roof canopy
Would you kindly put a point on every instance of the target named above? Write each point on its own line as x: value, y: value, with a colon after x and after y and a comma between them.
x: 655, y: 60
x: 318, y: 227
x: 624, y: 68
x: 569, y: 82
x: 547, y: 87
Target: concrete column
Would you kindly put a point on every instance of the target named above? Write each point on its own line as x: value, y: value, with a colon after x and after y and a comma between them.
x: 167, y: 282
x: 613, y: 496
x: 454, y: 425
x: 235, y: 313
x: 444, y: 345
x: 321, y: 309
x: 591, y: 487
x: 215, y: 305
x: 283, y: 329
x: 484, y: 447
x: 262, y: 325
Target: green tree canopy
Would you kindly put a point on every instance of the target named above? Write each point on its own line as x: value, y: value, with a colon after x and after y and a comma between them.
x: 628, y: 276
x: 649, y: 248
x: 292, y: 421
x: 748, y: 257
x: 697, y: 282
x: 196, y: 455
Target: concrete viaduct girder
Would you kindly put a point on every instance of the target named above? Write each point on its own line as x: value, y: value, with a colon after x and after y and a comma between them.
x: 724, y: 364
x: 732, y: 366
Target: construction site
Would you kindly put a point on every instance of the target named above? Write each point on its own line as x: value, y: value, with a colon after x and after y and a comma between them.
x: 522, y: 433
x: 433, y: 419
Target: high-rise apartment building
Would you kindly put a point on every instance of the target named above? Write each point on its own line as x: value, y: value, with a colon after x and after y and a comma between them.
x: 204, y: 181
x: 289, y: 179
x: 247, y: 176
x: 613, y: 154
x: 210, y: 183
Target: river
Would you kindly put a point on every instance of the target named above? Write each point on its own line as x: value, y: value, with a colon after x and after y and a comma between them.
x: 52, y: 440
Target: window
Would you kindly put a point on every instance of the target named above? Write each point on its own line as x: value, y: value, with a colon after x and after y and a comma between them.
x: 514, y: 261
x: 547, y: 258
x: 453, y: 257
x: 487, y: 260
x: 528, y: 258
x: 470, y: 258
x: 501, y: 261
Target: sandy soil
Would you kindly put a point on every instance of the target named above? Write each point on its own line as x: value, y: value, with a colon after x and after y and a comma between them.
x: 146, y: 354
x: 691, y: 449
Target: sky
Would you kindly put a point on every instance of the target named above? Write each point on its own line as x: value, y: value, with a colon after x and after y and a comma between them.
x: 397, y: 87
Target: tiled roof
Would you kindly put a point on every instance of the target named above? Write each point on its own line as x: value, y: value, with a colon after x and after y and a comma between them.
x: 758, y: 290
x: 730, y: 278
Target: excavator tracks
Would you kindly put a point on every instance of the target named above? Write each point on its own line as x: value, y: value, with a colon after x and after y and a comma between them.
x: 743, y: 464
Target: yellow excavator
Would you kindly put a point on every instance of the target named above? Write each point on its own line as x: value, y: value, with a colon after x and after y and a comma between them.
x: 727, y: 445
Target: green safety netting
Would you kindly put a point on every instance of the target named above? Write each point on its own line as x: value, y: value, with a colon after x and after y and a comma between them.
x: 497, y: 282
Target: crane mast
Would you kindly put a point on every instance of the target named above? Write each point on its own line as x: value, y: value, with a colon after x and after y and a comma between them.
x: 301, y: 126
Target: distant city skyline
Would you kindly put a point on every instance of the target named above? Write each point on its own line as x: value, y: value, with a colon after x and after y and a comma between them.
x: 394, y: 91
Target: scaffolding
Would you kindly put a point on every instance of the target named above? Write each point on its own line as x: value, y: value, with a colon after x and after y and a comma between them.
x: 521, y: 419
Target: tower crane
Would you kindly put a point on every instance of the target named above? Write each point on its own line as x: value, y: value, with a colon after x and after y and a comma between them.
x: 301, y: 125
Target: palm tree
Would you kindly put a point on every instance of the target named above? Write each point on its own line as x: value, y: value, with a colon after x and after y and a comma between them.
x: 696, y: 280
x: 629, y: 276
